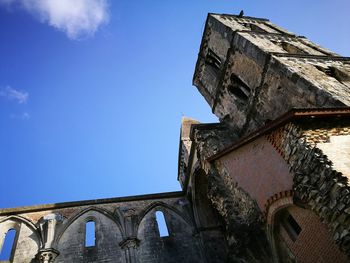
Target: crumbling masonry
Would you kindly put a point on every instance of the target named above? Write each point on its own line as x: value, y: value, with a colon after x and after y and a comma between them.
x: 269, y: 183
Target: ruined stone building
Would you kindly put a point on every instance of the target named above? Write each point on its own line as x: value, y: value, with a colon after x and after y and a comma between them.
x: 269, y: 183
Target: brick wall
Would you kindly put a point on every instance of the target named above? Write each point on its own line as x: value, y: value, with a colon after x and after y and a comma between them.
x: 259, y: 170
x: 314, y: 243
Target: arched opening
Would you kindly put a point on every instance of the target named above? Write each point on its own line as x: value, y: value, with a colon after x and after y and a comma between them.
x: 85, y: 233
x: 238, y: 88
x: 300, y: 236
x: 155, y: 247
x: 8, y: 246
x: 213, y: 60
x: 208, y: 220
x: 205, y: 214
x: 161, y: 223
x: 90, y: 234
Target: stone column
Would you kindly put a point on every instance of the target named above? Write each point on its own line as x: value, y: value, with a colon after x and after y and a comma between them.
x: 48, y: 225
x: 129, y: 245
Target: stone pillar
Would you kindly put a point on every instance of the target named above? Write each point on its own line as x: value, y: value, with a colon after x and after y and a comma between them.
x: 48, y: 255
x: 129, y: 245
x: 48, y: 224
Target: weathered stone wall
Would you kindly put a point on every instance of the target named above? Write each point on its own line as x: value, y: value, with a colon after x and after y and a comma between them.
x: 265, y: 71
x: 243, y: 221
x: 217, y: 38
x: 125, y: 230
x: 71, y: 240
x: 209, y: 223
x: 243, y: 183
x: 317, y: 184
x: 27, y: 236
x: 182, y: 246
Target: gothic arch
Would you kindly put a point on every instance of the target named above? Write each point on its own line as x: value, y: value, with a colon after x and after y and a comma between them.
x: 277, y: 202
x: 181, y: 235
x: 27, y: 222
x: 101, y: 211
x: 292, y: 226
x: 203, y: 211
x: 165, y: 206
x: 274, y: 205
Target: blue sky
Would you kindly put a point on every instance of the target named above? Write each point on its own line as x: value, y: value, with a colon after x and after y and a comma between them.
x: 92, y: 92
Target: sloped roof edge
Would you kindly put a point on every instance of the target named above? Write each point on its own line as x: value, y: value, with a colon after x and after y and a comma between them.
x: 297, y: 113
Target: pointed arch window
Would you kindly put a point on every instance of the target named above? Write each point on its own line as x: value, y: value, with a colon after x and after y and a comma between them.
x: 90, y: 233
x: 7, y: 248
x: 161, y: 223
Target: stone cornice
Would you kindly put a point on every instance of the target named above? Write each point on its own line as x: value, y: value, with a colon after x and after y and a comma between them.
x: 35, y: 208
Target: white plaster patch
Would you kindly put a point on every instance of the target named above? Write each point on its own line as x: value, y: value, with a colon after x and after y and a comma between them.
x: 338, y: 151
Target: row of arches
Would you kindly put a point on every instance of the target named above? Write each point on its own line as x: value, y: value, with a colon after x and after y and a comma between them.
x: 93, y: 231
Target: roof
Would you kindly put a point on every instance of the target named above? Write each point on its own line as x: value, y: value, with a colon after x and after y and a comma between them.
x: 237, y: 16
x: 294, y: 114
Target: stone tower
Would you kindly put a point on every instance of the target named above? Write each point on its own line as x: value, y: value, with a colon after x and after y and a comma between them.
x: 251, y: 71
x: 277, y: 165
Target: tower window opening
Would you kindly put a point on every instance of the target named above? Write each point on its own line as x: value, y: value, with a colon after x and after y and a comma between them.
x: 334, y: 73
x: 161, y: 223
x: 90, y: 232
x: 289, y: 48
x: 238, y: 88
x: 292, y: 227
x: 213, y: 60
x: 254, y: 27
x: 7, y: 249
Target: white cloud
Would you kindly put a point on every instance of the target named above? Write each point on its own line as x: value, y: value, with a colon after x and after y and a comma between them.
x: 22, y: 116
x: 77, y: 18
x: 25, y: 116
x: 13, y: 94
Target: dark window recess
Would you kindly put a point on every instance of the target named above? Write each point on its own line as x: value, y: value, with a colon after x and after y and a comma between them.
x: 254, y: 28
x: 290, y: 48
x: 292, y: 227
x: 238, y: 88
x: 213, y: 60
x: 161, y: 223
x: 8, y: 246
x: 335, y: 73
x: 90, y: 238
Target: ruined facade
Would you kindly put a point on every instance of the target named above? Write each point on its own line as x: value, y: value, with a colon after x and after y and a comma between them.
x: 269, y: 183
